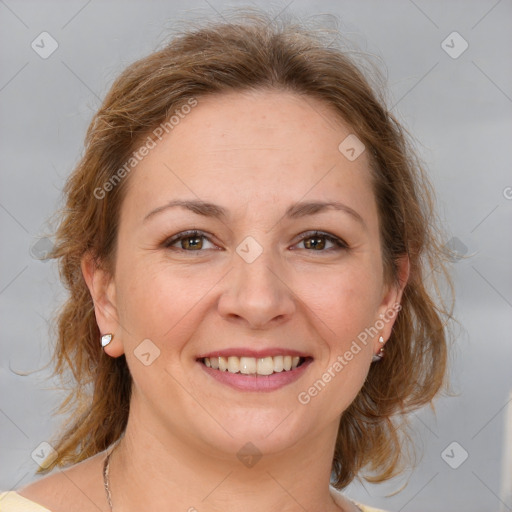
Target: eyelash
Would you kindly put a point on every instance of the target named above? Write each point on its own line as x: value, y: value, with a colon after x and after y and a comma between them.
x: 338, y: 242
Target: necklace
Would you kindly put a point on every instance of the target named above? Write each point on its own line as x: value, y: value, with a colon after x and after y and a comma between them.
x: 106, y: 480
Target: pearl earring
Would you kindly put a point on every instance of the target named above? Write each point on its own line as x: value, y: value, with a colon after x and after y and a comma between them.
x: 106, y: 339
x: 380, y: 354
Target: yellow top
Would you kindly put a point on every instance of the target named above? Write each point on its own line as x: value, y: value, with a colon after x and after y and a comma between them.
x: 11, y: 501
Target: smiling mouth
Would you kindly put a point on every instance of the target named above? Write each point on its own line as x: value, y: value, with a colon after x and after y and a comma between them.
x: 254, y: 366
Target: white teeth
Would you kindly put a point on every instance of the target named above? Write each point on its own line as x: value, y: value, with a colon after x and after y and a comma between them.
x: 252, y: 365
x: 223, y: 364
x: 278, y: 364
x: 265, y: 366
x: 247, y: 365
x: 233, y: 364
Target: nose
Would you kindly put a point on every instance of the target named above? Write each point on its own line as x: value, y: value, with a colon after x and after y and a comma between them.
x: 257, y: 293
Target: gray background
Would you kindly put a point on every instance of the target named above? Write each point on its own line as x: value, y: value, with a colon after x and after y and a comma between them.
x: 460, y: 110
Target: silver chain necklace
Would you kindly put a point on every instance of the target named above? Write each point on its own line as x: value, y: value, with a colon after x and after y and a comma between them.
x: 106, y: 480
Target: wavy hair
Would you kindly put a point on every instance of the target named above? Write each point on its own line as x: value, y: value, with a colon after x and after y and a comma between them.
x: 254, y: 53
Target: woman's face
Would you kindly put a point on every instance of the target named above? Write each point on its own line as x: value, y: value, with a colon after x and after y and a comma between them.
x: 253, y: 173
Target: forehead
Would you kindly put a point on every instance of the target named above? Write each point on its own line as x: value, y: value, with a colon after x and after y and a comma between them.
x: 296, y: 127
x: 254, y: 146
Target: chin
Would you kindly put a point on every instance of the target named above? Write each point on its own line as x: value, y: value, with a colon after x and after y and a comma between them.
x: 266, y: 431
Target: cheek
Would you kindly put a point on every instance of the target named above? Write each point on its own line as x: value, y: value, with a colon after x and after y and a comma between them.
x: 335, y: 384
x: 344, y: 311
x: 159, y: 300
x: 345, y: 300
x: 344, y: 304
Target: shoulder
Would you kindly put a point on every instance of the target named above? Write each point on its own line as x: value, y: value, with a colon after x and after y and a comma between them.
x: 79, y: 487
x: 11, y: 501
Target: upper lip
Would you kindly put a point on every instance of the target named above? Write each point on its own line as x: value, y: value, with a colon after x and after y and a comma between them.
x: 248, y: 352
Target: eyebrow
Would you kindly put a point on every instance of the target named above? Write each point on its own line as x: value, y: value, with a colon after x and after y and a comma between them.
x: 295, y: 211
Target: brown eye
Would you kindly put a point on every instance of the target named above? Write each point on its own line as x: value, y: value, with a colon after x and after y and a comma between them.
x: 318, y: 242
x: 189, y: 241
x: 192, y: 242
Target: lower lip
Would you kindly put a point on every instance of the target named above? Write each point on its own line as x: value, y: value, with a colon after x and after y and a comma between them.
x: 244, y: 382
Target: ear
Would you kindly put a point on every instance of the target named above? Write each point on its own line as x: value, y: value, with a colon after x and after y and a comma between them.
x: 103, y: 292
x: 390, y: 305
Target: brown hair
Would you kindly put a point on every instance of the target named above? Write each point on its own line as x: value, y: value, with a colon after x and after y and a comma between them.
x: 253, y: 54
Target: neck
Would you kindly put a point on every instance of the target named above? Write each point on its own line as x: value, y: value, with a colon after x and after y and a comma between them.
x: 153, y: 467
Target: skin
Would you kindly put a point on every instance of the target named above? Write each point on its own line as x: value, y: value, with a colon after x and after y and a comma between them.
x: 254, y: 154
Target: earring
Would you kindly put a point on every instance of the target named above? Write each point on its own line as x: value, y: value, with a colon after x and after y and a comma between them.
x: 380, y: 354
x: 106, y: 339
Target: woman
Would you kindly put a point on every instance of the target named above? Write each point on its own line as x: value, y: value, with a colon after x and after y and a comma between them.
x: 246, y: 243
